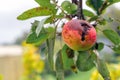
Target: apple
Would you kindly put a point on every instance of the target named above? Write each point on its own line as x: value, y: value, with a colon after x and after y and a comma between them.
x: 79, y: 35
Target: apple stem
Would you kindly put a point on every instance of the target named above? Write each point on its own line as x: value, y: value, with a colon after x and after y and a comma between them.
x: 80, y: 11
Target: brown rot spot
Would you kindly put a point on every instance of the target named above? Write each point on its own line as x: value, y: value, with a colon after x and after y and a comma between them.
x: 29, y: 14
x: 85, y: 25
x: 73, y: 67
x: 37, y: 9
x: 85, y: 28
x: 83, y: 36
x: 70, y: 53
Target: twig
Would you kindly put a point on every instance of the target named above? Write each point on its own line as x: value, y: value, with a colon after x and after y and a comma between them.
x: 102, y: 7
x: 100, y: 11
x: 79, y: 11
x: 75, y: 2
x: 59, y: 7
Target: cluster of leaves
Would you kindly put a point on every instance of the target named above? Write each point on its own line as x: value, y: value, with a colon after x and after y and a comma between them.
x: 54, y: 13
x: 32, y: 62
x: 99, y: 7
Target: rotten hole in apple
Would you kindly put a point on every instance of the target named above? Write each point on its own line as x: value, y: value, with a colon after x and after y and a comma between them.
x: 84, y: 31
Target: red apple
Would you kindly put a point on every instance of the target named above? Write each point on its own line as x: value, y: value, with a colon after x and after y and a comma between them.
x: 79, y: 35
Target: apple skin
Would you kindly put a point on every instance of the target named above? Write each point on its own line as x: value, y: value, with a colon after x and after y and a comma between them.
x: 79, y: 35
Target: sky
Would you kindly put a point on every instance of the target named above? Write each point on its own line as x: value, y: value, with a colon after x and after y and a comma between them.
x: 10, y: 27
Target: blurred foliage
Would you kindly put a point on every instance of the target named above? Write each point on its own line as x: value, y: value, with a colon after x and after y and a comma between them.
x: 32, y: 62
x: 114, y: 73
x: 113, y: 13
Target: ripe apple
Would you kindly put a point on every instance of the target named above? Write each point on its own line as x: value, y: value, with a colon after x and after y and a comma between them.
x: 79, y: 35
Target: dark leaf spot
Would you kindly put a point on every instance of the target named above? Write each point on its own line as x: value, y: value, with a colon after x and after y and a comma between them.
x: 70, y: 53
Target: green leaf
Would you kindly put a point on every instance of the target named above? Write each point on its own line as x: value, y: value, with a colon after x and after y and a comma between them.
x: 116, y: 49
x: 94, y: 4
x: 112, y: 36
x: 60, y: 16
x: 97, y: 4
x: 59, y: 61
x: 35, y: 12
x: 100, y: 46
x: 44, y: 34
x: 47, y: 4
x: 102, y: 22
x: 52, y: 7
x: 110, y: 2
x: 118, y: 27
x: 102, y: 68
x: 50, y: 31
x: 43, y: 3
x: 50, y: 45
x: 88, y: 13
x: 108, y: 19
x: 37, y: 40
x: 93, y: 18
x: 59, y: 66
x: 69, y: 7
x: 43, y: 49
x: 67, y: 57
x: 40, y: 25
x: 34, y: 25
x: 86, y: 60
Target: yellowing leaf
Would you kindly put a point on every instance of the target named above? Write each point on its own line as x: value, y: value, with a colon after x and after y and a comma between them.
x: 35, y: 12
x: 43, y: 2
